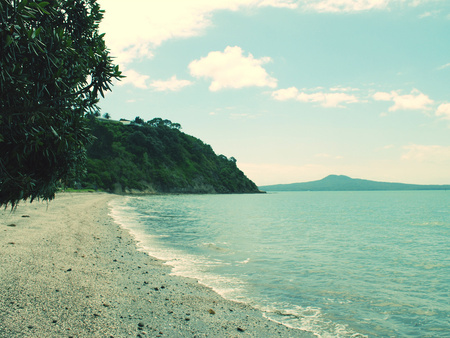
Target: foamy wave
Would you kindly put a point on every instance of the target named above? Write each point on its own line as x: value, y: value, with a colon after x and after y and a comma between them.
x: 309, y: 319
x: 244, y: 262
x: 197, y: 267
x: 182, y: 264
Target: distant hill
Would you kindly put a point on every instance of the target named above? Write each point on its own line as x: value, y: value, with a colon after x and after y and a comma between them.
x: 156, y: 157
x: 345, y: 183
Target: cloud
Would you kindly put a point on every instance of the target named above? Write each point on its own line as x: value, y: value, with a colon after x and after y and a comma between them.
x: 443, y: 111
x: 231, y: 69
x: 344, y: 89
x: 327, y: 100
x: 278, y: 3
x: 134, y: 31
x: 285, y: 94
x: 444, y: 66
x: 426, y: 153
x: 134, y: 78
x: 425, y: 15
x: 173, y: 84
x: 328, y: 156
x: 346, y: 5
x: 429, y: 14
x: 416, y: 3
x: 414, y: 101
x: 382, y: 96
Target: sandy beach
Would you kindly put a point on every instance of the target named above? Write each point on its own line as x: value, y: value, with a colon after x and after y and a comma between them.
x: 67, y: 270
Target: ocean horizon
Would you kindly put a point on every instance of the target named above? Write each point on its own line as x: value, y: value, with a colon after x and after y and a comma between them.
x: 337, y: 264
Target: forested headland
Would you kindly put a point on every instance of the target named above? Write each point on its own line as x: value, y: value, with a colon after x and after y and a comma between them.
x: 156, y: 157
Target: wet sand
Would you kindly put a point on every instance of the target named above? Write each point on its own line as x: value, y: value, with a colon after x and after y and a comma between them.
x: 67, y: 270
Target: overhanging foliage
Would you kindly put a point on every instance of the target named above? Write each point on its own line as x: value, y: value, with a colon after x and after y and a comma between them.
x: 53, y: 65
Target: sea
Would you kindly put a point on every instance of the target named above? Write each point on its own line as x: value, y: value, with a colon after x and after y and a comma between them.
x: 337, y: 264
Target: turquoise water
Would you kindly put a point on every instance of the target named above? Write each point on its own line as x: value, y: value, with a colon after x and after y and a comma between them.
x: 339, y: 264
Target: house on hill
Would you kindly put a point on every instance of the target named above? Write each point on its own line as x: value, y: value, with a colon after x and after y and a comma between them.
x: 125, y: 122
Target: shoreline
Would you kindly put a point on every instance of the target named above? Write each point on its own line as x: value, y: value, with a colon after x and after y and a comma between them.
x: 68, y: 270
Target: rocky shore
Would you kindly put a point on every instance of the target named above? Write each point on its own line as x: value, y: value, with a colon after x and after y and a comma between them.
x: 67, y: 270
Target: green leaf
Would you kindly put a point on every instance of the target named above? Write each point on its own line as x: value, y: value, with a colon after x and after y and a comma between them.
x: 54, y: 131
x: 9, y: 40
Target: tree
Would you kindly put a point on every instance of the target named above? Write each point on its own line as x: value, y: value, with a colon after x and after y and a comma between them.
x: 54, y: 63
x: 106, y: 116
x: 139, y: 121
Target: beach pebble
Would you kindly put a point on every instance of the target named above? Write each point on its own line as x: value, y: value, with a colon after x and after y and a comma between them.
x: 240, y: 329
x: 141, y: 324
x: 211, y: 311
x: 11, y: 225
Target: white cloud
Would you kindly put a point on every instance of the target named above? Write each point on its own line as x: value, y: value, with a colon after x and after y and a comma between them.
x: 414, y: 101
x: 382, y: 96
x: 134, y: 31
x: 325, y: 99
x: 328, y: 156
x: 173, y: 84
x: 444, y: 66
x: 443, y: 111
x: 328, y: 99
x: 430, y: 14
x: 231, y: 69
x: 278, y: 3
x: 344, y: 89
x: 425, y: 15
x: 285, y: 94
x: 346, y: 5
x: 134, y: 78
x: 416, y: 3
x: 427, y: 153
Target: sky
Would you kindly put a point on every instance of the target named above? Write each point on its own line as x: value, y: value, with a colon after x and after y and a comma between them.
x: 295, y: 90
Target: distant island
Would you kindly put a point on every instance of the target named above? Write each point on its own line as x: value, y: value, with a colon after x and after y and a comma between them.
x: 147, y: 157
x: 345, y: 183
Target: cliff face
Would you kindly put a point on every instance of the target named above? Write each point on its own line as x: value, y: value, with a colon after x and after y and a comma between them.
x: 156, y: 157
